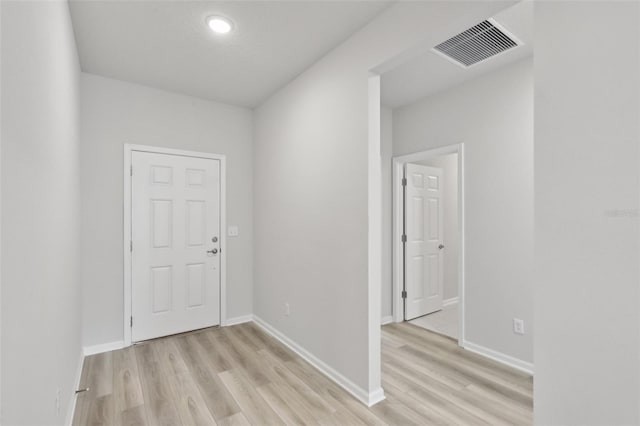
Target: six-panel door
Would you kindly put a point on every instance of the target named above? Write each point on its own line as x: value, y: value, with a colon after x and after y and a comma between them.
x: 423, y: 249
x: 176, y: 244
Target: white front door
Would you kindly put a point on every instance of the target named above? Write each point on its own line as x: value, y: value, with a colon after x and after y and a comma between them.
x: 176, y: 244
x: 423, y: 247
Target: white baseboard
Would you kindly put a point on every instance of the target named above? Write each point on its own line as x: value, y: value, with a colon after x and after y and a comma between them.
x: 367, y: 398
x: 238, y: 320
x: 71, y: 409
x: 104, y: 347
x: 114, y: 346
x: 452, y: 301
x: 516, y: 363
x: 387, y: 320
x: 375, y: 397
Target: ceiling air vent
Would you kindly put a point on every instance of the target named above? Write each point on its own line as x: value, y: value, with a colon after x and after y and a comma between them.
x: 476, y: 44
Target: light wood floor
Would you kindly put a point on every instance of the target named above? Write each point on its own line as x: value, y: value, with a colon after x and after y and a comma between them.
x: 240, y: 375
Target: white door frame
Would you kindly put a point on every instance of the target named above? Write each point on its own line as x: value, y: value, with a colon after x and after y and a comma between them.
x: 398, y: 211
x: 128, y: 149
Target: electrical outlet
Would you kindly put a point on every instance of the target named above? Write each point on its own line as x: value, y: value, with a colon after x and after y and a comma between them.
x: 287, y: 311
x: 518, y: 326
x: 58, y: 396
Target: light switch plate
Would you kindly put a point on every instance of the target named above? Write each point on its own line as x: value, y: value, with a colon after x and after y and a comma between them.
x: 232, y: 231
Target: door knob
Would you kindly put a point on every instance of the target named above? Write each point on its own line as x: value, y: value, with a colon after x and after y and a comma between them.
x: 213, y: 251
x: 441, y: 246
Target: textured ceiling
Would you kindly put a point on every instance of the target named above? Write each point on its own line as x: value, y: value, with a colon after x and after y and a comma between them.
x: 166, y: 44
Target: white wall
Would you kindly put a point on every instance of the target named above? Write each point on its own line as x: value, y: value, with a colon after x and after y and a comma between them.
x: 115, y: 113
x: 41, y: 348
x: 1, y: 118
x: 451, y: 234
x: 311, y: 188
x: 493, y: 117
x: 386, y: 152
x: 587, y: 299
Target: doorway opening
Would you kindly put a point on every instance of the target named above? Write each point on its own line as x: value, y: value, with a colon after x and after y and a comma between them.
x: 429, y: 108
x: 428, y: 240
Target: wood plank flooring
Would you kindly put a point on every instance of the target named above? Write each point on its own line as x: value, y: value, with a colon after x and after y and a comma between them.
x: 242, y: 376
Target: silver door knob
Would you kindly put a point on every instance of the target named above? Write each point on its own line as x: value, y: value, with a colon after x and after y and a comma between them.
x: 441, y: 246
x: 213, y: 251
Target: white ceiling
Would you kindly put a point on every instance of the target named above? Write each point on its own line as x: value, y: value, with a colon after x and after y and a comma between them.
x: 166, y: 44
x: 430, y: 73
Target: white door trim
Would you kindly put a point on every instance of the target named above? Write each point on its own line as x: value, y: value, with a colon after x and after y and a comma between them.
x: 128, y: 149
x: 398, y: 270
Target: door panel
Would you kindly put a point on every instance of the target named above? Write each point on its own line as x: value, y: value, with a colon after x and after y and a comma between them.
x: 423, y: 228
x: 175, y: 216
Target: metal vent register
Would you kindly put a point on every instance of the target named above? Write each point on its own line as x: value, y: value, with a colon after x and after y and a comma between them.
x: 477, y: 44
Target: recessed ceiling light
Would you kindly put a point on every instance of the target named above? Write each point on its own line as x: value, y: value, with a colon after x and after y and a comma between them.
x: 219, y: 24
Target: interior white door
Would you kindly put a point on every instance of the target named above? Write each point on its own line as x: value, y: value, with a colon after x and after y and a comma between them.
x: 176, y: 244
x: 424, y: 243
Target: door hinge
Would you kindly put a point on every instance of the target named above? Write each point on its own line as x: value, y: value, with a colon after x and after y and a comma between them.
x: 131, y: 245
x: 131, y: 171
x: 130, y: 321
x: 404, y: 294
x: 404, y: 238
x: 404, y: 181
